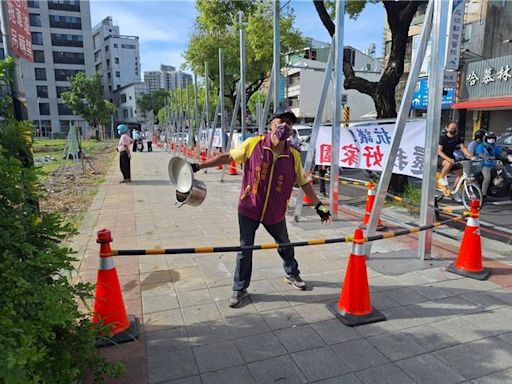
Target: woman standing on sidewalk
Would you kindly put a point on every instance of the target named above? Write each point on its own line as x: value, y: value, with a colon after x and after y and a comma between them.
x: 124, y: 152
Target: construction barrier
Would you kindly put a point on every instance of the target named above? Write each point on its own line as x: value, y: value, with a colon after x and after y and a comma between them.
x: 109, y: 306
x: 469, y: 259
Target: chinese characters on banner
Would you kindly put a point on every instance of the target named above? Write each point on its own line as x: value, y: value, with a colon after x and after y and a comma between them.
x: 364, y: 147
x: 19, y: 29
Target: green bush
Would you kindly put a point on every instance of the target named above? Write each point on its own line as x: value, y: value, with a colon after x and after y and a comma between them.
x: 45, y: 337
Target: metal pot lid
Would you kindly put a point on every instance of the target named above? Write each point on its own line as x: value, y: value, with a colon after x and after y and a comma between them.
x: 180, y: 173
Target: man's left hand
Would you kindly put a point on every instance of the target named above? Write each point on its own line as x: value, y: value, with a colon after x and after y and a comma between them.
x: 323, y: 212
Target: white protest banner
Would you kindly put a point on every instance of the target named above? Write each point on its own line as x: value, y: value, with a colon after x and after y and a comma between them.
x: 217, y: 137
x: 364, y: 147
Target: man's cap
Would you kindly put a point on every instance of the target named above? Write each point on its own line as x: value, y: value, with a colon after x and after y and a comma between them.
x: 284, y: 113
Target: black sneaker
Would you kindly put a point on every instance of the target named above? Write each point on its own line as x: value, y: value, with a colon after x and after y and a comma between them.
x: 237, y: 298
x: 296, y: 282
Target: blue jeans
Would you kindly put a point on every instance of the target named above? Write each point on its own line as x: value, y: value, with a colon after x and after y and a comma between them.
x: 248, y: 229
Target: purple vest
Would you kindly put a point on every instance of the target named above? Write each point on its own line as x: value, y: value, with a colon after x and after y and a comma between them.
x: 267, y: 183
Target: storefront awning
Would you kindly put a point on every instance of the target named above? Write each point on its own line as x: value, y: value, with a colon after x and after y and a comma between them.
x: 488, y: 103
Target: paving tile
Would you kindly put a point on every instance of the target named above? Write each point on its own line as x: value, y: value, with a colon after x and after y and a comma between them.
x: 260, y: 347
x: 334, y: 331
x: 234, y: 375
x: 462, y: 330
x: 405, y: 296
x: 299, y: 338
x: 187, y: 380
x: 283, y: 318
x: 243, y: 326
x: 158, y: 320
x: 426, y: 369
x: 166, y: 340
x: 502, y: 377
x: 477, y: 358
x: 159, y: 303
x: 359, y: 354
x: 396, y: 345
x: 192, y: 298
x: 314, y: 312
x: 171, y: 365
x: 276, y: 370
x: 485, y: 300
x: 429, y: 337
x: 507, y: 337
x: 385, y: 374
x: 372, y: 329
x: 320, y: 363
x: 432, y: 292
x: 217, y: 356
x: 208, y: 333
x: 201, y: 314
x: 345, y: 379
x: 497, y: 321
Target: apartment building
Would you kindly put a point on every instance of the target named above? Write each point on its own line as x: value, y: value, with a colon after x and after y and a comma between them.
x: 116, y: 57
x: 62, y: 46
x: 125, y: 100
x: 166, y: 78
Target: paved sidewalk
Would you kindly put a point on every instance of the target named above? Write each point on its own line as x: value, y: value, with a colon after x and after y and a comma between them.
x: 440, y: 328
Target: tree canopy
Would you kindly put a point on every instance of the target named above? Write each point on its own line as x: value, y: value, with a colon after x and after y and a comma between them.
x: 86, y: 99
x: 216, y: 26
x: 152, y: 101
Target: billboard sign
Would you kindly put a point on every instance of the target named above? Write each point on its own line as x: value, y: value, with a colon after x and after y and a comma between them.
x: 420, y: 98
x: 19, y: 29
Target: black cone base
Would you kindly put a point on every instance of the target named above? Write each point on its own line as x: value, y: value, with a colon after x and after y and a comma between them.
x: 129, y: 334
x: 352, y: 320
x: 472, y: 275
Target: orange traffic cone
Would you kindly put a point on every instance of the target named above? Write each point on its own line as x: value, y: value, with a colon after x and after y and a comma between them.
x: 307, y: 200
x: 370, y: 198
x: 203, y: 155
x: 109, y: 307
x: 354, y: 306
x: 469, y: 260
x: 220, y: 165
x: 232, y: 168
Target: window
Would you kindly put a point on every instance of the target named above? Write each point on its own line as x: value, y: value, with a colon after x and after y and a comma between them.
x: 108, y: 75
x: 42, y: 91
x: 123, y: 98
x: 349, y: 56
x: 69, y: 22
x: 116, y: 45
x: 65, y: 74
x: 118, y: 74
x: 61, y: 90
x: 106, y: 48
x: 38, y: 56
x: 98, y: 67
x: 44, y: 109
x: 64, y: 126
x: 128, y: 46
x: 37, y: 38
x: 108, y: 62
x: 116, y: 60
x: 67, y: 40
x: 40, y: 73
x: 2, y: 54
x: 35, y: 19
x: 33, y: 3
x: 125, y: 113
x: 68, y: 57
x: 96, y: 55
x: 118, y: 86
x: 64, y: 109
x: 64, y: 5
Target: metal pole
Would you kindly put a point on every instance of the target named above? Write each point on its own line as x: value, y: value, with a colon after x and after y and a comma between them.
x: 243, y: 106
x: 221, y: 101
x: 316, y: 127
x: 207, y: 99
x: 212, y: 135
x: 435, y: 84
x: 336, y: 107
x: 190, y: 143
x: 231, y: 129
x: 266, y: 107
x: 277, y: 54
x: 405, y: 106
x: 196, y: 110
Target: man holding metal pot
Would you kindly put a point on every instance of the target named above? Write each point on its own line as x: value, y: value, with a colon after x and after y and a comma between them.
x: 271, y: 168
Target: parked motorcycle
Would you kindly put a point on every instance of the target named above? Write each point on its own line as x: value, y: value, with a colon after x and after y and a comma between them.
x: 140, y: 144
x: 501, y: 178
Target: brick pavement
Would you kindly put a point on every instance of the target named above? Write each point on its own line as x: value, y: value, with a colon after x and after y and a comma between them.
x: 440, y: 328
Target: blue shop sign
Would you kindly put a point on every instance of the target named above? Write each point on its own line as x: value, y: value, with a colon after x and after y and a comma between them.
x: 420, y: 98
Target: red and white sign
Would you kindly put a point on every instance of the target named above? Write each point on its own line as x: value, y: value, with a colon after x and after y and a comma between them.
x: 19, y: 29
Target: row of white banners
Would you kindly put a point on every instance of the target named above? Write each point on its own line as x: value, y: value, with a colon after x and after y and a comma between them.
x: 364, y: 147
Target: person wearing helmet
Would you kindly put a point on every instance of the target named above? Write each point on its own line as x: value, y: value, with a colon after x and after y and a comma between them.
x: 477, y: 140
x: 489, y: 152
x: 123, y: 147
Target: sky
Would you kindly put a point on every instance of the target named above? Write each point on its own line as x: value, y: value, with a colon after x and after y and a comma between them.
x: 164, y: 26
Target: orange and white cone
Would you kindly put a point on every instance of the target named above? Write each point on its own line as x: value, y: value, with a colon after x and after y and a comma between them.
x: 370, y: 199
x: 220, y: 165
x: 307, y: 200
x: 109, y: 306
x: 469, y: 259
x: 232, y: 168
x: 354, y: 306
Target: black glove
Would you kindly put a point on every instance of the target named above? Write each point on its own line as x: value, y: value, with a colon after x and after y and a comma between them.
x: 323, y: 212
x: 195, y: 167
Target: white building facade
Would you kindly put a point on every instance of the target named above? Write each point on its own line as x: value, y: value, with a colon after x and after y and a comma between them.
x: 116, y: 57
x: 62, y: 46
x: 304, y: 80
x: 125, y: 99
x: 166, y: 78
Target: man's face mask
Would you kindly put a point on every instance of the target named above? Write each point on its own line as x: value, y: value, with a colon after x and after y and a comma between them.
x: 452, y: 130
x: 283, y: 131
x: 491, y: 141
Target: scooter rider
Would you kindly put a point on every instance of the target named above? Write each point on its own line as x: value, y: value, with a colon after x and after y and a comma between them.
x: 478, y: 139
x: 489, y: 152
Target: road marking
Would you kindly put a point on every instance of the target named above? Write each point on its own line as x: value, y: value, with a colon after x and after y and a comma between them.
x: 502, y: 202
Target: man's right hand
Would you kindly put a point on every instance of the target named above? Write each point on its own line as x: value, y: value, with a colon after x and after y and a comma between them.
x: 195, y: 167
x: 451, y: 161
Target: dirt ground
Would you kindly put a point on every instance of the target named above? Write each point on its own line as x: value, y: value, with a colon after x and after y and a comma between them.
x: 71, y: 185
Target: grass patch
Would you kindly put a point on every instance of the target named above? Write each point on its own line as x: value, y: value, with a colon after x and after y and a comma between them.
x: 411, y: 200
